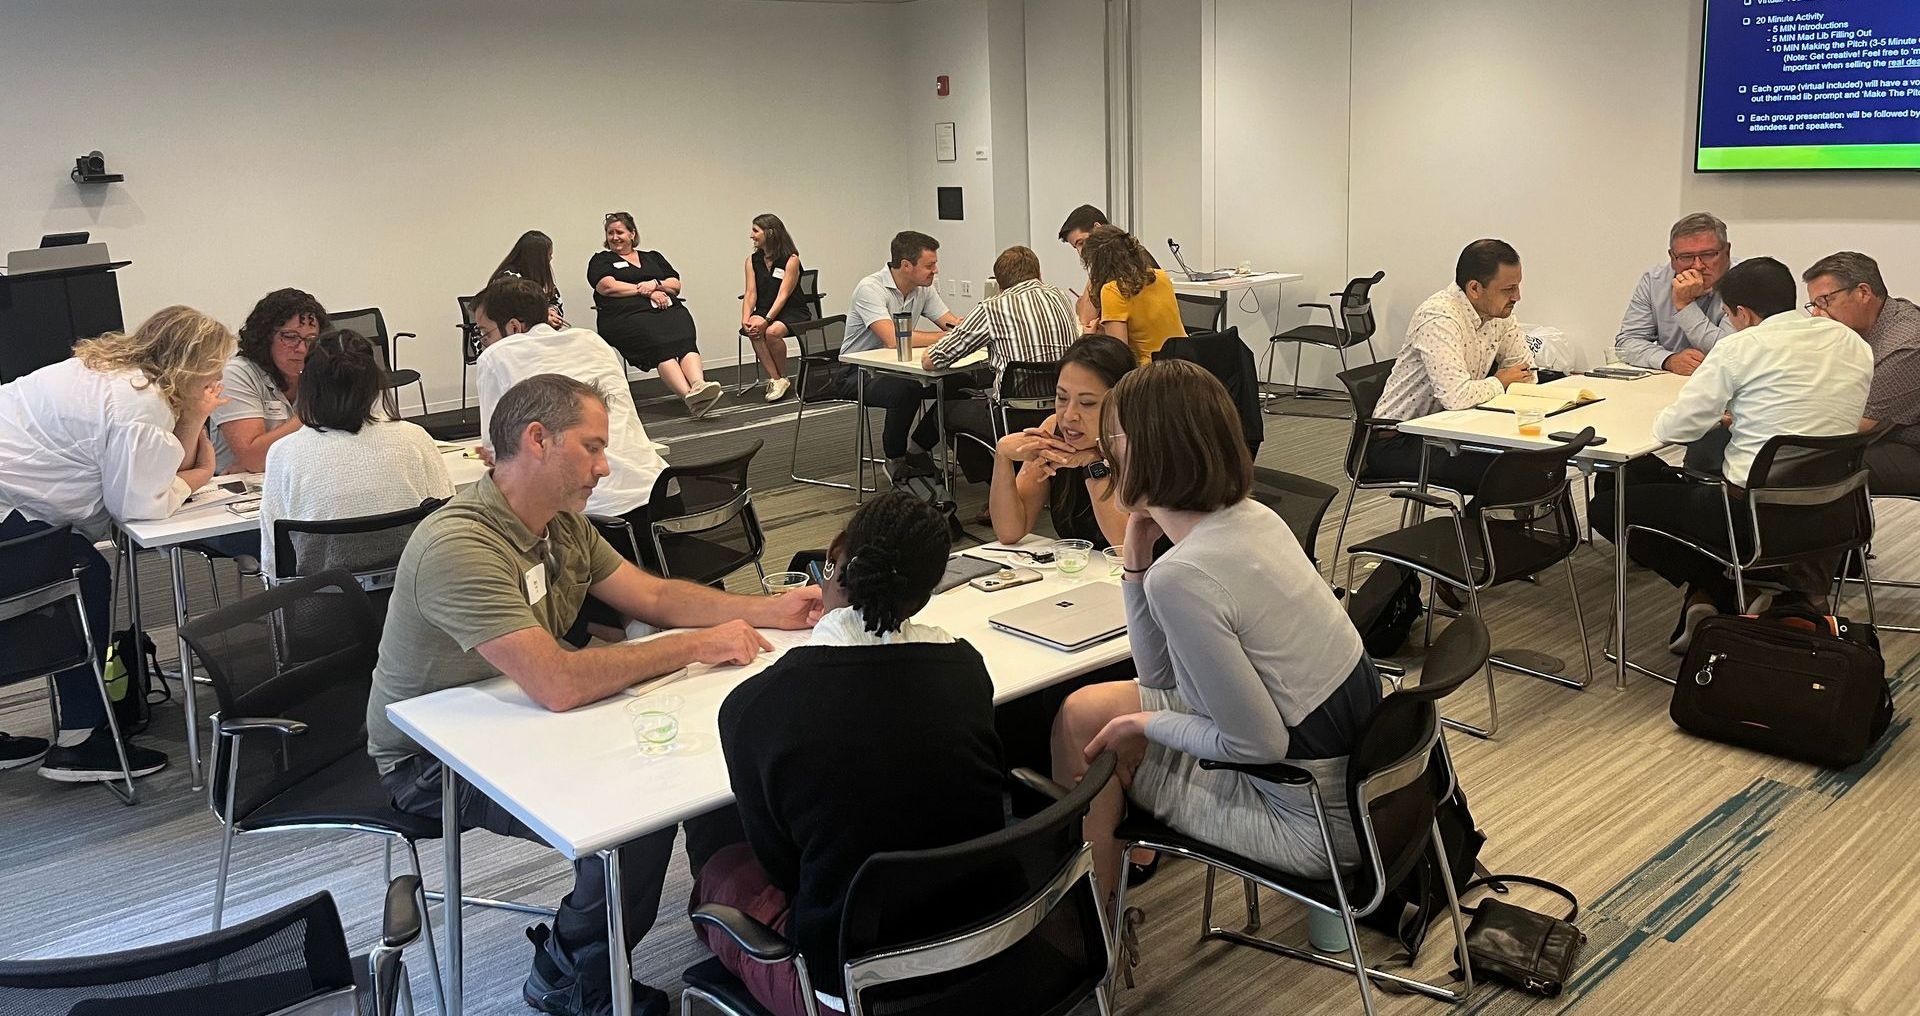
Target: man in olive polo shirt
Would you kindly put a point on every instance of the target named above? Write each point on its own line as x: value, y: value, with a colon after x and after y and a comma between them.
x: 486, y: 587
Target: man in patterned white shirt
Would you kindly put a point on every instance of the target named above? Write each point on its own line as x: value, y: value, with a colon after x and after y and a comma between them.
x: 1848, y: 288
x: 1462, y: 349
x: 1028, y: 322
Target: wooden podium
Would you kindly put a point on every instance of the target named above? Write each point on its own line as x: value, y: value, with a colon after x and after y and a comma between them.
x: 43, y: 313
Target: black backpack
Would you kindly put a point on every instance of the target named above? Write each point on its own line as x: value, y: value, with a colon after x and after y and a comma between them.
x: 933, y: 490
x: 1384, y: 608
x: 132, y: 666
x: 1411, y: 907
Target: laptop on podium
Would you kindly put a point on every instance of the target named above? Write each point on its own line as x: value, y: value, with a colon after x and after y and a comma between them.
x: 1069, y: 621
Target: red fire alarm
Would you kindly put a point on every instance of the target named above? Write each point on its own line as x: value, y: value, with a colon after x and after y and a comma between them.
x: 941, y: 86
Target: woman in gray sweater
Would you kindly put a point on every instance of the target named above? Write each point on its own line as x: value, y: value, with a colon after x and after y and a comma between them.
x: 1242, y: 652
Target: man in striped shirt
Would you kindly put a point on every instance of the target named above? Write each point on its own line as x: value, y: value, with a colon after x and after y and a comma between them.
x: 1029, y: 322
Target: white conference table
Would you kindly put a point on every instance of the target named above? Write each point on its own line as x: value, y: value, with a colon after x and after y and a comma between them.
x: 201, y: 521
x: 887, y: 361
x: 1242, y: 284
x: 578, y: 779
x: 1624, y: 417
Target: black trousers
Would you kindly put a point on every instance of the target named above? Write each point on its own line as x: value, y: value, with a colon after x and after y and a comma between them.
x: 1660, y: 495
x: 581, y: 924
x: 1893, y: 468
x: 1398, y: 457
x: 902, y: 399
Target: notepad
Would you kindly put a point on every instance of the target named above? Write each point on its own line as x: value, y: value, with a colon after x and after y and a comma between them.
x: 1547, y: 400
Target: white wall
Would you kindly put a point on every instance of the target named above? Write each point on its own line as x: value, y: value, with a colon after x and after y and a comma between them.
x: 1066, y: 129
x: 1569, y: 132
x: 1168, y: 66
x: 948, y: 37
x: 388, y: 154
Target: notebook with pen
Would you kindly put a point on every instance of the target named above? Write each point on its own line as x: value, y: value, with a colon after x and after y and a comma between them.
x: 1547, y: 400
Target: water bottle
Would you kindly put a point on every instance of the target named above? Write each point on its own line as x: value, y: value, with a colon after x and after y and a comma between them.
x: 903, y: 336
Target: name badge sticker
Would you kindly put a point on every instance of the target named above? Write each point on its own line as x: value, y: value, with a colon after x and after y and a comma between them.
x: 779, y: 273
x: 536, y: 582
x: 619, y: 264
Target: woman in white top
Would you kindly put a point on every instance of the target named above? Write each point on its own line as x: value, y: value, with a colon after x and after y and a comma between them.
x: 117, y: 432
x: 346, y: 462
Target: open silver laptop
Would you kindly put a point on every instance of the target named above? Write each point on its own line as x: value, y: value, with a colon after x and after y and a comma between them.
x: 1070, y: 620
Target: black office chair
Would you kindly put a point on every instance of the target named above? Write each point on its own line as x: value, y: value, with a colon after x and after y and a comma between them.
x: 700, y: 518
x: 806, y: 290
x: 292, y: 960
x: 44, y: 627
x: 1300, y: 501
x: 367, y: 546
x: 372, y: 324
x: 1223, y: 355
x: 1009, y: 923
x: 1397, y: 777
x: 1846, y: 575
x: 1364, y: 387
x: 1520, y: 523
x: 818, y: 382
x: 1202, y: 312
x: 1806, y: 500
x: 1352, y: 325
x: 1023, y: 397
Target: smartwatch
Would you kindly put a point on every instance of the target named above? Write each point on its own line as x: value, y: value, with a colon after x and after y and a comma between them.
x: 1097, y: 470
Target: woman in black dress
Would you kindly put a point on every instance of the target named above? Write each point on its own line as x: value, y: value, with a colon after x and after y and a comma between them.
x: 637, y: 294
x: 532, y: 258
x: 772, y: 307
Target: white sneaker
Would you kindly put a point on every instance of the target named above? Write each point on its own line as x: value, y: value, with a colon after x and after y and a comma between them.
x: 701, y: 400
x: 777, y: 389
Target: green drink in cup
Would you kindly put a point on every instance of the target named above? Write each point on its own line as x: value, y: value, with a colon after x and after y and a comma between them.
x: 1072, y: 555
x: 656, y: 722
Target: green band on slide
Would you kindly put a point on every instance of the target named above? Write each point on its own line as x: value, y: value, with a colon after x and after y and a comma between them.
x: 1812, y: 157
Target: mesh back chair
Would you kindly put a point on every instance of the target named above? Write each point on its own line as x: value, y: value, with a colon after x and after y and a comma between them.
x: 367, y: 546
x: 1364, y: 387
x: 1224, y: 356
x: 1806, y: 500
x: 44, y: 627
x: 1397, y: 777
x: 1202, y: 312
x: 1520, y: 523
x: 372, y: 324
x: 1008, y: 923
x: 818, y: 382
x: 1023, y: 397
x: 291, y: 961
x: 1300, y: 501
x: 700, y: 518
x: 1353, y: 324
x: 1869, y: 584
x: 806, y: 290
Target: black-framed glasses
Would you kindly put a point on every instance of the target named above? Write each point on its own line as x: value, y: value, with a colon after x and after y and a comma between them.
x: 1825, y: 300
x: 1695, y: 258
x: 291, y: 339
x: 613, y: 217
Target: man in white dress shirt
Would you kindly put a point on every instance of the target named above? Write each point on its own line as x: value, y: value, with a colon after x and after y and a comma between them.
x: 1674, y: 316
x: 1462, y: 349
x: 1780, y: 373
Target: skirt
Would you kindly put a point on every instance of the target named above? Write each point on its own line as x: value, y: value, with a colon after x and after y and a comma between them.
x: 650, y: 338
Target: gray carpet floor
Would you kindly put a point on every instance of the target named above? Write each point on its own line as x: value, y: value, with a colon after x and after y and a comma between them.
x: 1714, y: 880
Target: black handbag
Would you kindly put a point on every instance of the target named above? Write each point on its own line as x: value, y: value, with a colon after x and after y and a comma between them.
x: 1800, y: 686
x: 1529, y: 950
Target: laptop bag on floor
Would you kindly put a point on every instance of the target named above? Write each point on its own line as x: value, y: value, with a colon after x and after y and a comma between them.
x: 1803, y: 687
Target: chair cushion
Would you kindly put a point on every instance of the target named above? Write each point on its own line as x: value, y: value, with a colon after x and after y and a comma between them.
x: 1435, y: 546
x: 1314, y: 335
x: 348, y: 791
x: 1141, y: 827
x: 716, y: 980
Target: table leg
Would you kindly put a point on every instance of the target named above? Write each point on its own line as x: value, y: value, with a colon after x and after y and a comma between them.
x: 177, y: 565
x: 940, y: 422
x: 450, y: 905
x: 860, y: 435
x: 622, y: 961
x: 1620, y: 576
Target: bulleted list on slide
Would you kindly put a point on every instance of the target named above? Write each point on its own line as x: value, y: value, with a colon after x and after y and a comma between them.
x: 1780, y: 73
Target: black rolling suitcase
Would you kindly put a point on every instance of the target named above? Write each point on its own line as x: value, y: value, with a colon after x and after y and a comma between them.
x: 1800, y: 686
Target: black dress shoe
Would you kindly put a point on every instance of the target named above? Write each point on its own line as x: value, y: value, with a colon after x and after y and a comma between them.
x: 554, y: 987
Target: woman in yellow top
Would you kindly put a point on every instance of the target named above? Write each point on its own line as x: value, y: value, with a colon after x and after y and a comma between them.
x: 1135, y: 298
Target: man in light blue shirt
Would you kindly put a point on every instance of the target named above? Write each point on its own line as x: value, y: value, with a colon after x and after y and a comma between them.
x: 1675, y: 316
x: 905, y: 286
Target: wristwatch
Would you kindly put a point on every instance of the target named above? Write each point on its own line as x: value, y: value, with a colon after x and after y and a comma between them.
x: 1097, y: 470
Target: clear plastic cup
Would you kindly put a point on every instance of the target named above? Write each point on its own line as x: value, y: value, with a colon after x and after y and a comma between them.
x: 1530, y: 421
x: 656, y: 722
x: 783, y: 581
x: 1116, y: 561
x: 1072, y: 555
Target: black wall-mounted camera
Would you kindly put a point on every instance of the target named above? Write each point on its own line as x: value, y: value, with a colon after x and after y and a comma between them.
x: 92, y: 168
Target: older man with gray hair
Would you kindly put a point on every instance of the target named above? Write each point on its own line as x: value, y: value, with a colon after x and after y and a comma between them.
x: 1675, y: 317
x: 486, y: 587
x: 1847, y: 287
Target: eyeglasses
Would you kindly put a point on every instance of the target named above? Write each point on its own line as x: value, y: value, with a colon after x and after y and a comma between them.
x: 1695, y: 258
x: 613, y: 217
x: 1824, y: 300
x: 292, y: 340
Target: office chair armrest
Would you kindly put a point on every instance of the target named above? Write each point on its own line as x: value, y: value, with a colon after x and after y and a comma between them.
x: 397, y: 336
x: 251, y: 724
x: 401, y: 922
x: 1430, y: 500
x: 606, y: 520
x: 1272, y: 772
x: 1702, y: 476
x: 1379, y: 424
x: 755, y: 939
x: 1323, y: 306
x: 1039, y: 784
